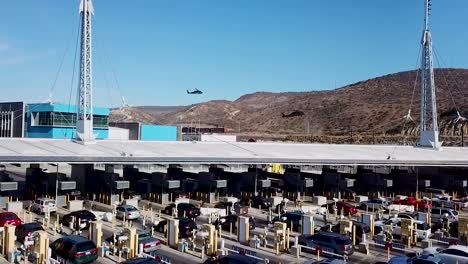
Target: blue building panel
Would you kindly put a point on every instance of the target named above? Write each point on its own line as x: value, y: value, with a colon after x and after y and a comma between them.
x: 62, y: 133
x: 158, y: 133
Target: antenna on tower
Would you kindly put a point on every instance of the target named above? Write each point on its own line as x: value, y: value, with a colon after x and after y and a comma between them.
x: 429, y: 131
x: 84, y: 120
x: 124, y: 103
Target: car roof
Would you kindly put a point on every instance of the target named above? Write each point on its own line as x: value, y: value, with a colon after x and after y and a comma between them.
x: 242, y: 258
x: 7, y: 213
x: 450, y: 209
x: 45, y: 199
x: 295, y: 212
x: 128, y: 206
x: 30, y: 225
x: 333, y: 234
x: 429, y: 257
x: 459, y: 247
x: 75, y: 238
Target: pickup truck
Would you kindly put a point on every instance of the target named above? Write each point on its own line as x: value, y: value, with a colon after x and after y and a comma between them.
x: 150, y: 243
x: 420, y: 205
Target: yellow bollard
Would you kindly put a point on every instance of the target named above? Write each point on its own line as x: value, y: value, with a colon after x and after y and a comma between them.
x: 354, y: 235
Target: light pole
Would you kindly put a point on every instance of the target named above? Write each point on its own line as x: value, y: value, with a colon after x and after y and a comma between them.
x: 56, y: 181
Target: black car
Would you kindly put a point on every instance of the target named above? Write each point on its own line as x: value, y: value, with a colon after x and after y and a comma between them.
x: 361, y: 228
x: 328, y: 242
x: 226, y: 222
x: 74, y: 249
x: 24, y: 230
x: 84, y: 216
x: 256, y: 202
x: 186, y: 227
x: 183, y: 210
x: 233, y: 258
x: 235, y: 208
x: 290, y: 218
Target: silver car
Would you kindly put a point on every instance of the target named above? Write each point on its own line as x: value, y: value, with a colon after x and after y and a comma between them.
x: 128, y: 212
x: 451, y: 255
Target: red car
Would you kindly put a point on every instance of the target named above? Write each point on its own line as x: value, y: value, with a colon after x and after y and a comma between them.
x: 9, y: 218
x: 347, y: 208
x: 420, y: 205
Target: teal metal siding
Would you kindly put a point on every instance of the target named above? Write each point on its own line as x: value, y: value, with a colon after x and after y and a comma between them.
x: 158, y: 133
x: 62, y: 132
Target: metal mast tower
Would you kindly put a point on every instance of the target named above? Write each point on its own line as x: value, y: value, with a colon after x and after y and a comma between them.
x: 84, y: 120
x: 429, y: 136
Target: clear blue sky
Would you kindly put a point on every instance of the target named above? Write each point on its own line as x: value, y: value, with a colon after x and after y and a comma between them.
x: 227, y: 48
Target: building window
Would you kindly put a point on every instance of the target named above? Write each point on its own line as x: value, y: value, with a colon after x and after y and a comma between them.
x: 100, y: 121
x: 44, y: 119
x: 59, y: 119
x: 64, y: 119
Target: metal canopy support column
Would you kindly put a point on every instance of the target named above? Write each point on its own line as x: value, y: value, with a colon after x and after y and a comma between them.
x: 84, y: 121
x: 429, y: 131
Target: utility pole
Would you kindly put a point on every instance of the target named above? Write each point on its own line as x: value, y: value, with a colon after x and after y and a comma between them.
x: 373, y: 136
x: 462, y: 135
x: 84, y: 120
x: 429, y: 134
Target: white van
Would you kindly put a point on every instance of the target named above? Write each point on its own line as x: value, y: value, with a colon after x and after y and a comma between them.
x: 43, y: 205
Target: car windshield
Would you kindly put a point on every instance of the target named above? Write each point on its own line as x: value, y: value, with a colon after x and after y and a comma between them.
x: 423, y: 226
x: 366, y: 229
x: 32, y: 228
x: 131, y: 209
x: 455, y: 212
x: 143, y: 235
x: 85, y: 246
x: 9, y: 217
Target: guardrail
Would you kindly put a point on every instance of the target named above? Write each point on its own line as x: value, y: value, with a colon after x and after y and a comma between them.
x: 157, y: 257
x: 265, y: 260
x: 390, y: 247
x: 323, y: 252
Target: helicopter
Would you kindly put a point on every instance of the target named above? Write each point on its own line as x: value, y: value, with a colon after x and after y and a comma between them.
x: 293, y: 113
x: 195, y: 91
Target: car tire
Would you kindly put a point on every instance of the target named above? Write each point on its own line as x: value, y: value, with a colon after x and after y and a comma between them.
x: 377, y: 230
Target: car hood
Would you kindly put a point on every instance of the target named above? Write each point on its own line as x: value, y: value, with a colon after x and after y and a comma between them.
x: 430, y: 250
x: 399, y: 260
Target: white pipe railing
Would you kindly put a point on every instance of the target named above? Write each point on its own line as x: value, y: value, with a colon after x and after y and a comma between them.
x: 144, y: 255
x: 325, y: 253
x: 265, y: 260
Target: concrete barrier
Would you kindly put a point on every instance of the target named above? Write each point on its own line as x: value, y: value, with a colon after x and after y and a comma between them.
x: 319, y: 200
x: 14, y: 207
x: 104, y: 216
x: 400, y: 208
x: 75, y: 205
x: 208, y: 211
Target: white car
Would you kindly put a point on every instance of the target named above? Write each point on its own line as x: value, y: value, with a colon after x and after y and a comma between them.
x: 43, y: 205
x: 451, y: 255
x: 423, y: 230
x: 374, y: 204
x: 129, y: 211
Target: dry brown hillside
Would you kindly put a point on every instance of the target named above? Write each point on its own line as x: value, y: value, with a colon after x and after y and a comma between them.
x: 374, y: 105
